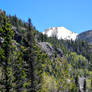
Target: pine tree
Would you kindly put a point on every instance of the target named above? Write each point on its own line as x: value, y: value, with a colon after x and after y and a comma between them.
x: 84, y: 86
x: 30, y: 40
x: 77, y: 83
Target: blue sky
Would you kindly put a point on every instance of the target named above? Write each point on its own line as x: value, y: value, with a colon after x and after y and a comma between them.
x: 75, y: 15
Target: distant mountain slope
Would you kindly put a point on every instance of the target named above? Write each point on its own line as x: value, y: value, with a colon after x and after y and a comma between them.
x: 60, y: 33
x: 87, y: 36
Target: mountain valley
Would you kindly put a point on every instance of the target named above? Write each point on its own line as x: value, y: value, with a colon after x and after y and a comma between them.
x: 56, y: 60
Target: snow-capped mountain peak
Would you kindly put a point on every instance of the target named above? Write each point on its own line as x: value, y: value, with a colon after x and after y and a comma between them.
x: 61, y: 33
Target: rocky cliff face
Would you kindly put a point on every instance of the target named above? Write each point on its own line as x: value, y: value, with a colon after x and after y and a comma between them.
x: 48, y: 49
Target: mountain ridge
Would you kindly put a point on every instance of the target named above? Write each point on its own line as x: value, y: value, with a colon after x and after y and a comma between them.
x: 87, y: 36
x: 61, y: 33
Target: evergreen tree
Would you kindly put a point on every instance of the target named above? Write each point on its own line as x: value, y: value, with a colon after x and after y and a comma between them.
x: 84, y: 86
x: 77, y: 82
x: 30, y: 61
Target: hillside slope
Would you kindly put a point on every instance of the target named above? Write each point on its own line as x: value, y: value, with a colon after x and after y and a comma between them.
x: 34, y: 62
x: 87, y: 36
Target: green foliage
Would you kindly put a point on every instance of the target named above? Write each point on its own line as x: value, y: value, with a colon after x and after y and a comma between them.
x: 24, y: 67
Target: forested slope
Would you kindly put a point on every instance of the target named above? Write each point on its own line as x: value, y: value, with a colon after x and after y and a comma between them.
x: 33, y: 62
